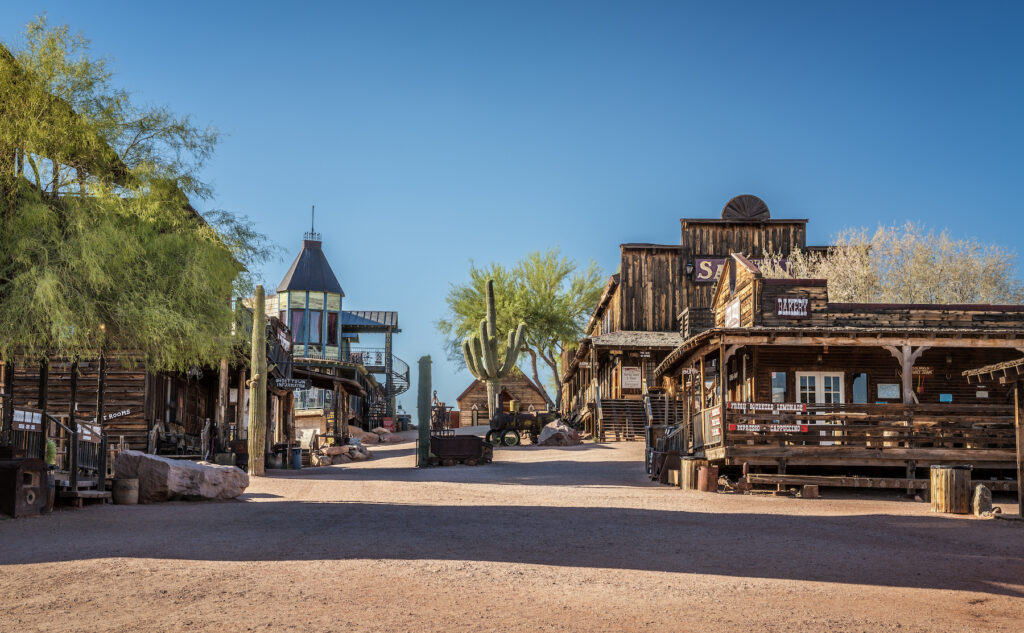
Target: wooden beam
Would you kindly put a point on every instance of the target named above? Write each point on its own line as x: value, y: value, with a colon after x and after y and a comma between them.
x: 1017, y: 424
x: 865, y: 341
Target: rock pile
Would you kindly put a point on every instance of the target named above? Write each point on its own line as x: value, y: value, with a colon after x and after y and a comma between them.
x: 558, y: 433
x: 162, y: 479
x: 331, y: 455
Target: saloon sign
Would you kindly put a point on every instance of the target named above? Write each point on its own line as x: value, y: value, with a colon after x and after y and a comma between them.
x: 706, y: 270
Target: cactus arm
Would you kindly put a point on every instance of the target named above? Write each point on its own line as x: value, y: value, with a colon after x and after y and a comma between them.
x: 467, y: 352
x: 478, y: 353
x: 515, y: 343
x: 490, y: 351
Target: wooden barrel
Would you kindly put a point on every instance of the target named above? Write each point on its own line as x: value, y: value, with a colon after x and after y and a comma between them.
x: 688, y: 473
x: 707, y: 478
x: 126, y: 491
x: 950, y: 489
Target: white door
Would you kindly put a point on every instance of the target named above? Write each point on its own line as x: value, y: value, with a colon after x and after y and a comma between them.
x: 820, y: 387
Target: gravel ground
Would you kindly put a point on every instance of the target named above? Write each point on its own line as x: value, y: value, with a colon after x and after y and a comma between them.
x: 544, y: 539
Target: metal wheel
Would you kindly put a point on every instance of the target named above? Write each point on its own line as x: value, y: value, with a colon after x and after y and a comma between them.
x: 448, y: 462
x: 510, y: 437
x: 493, y: 437
x: 471, y: 462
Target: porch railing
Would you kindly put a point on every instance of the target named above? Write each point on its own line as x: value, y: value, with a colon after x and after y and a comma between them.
x: 962, y: 426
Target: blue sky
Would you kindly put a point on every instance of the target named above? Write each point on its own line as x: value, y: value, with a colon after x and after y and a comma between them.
x: 432, y: 133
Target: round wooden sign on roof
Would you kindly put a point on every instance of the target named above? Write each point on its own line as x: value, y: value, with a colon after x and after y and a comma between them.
x: 746, y: 208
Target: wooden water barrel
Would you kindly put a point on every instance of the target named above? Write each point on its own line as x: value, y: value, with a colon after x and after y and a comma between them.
x: 688, y: 473
x: 126, y: 491
x: 950, y: 489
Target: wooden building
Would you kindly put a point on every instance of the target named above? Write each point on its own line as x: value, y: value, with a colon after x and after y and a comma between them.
x: 660, y: 296
x: 788, y: 382
x: 472, y: 403
x: 357, y: 385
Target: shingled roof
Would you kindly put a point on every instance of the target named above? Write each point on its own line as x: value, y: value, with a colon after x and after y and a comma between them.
x: 310, y: 271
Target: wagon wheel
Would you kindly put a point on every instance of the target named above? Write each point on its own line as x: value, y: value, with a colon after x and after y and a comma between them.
x: 510, y: 437
x: 448, y: 462
x: 493, y: 438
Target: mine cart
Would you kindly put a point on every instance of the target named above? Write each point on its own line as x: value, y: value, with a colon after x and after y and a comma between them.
x: 465, y: 449
x: 447, y: 448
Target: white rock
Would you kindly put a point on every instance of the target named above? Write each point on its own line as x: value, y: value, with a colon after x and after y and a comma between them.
x: 558, y: 433
x: 161, y: 478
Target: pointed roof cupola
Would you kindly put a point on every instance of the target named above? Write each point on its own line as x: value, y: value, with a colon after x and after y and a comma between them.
x: 310, y: 270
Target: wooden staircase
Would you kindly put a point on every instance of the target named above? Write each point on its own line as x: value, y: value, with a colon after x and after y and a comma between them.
x: 621, y: 420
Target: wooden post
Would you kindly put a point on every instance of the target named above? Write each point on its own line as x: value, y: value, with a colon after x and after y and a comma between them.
x: 258, y: 387
x: 44, y: 385
x: 240, y: 403
x: 221, y: 415
x: 73, y: 425
x: 8, y: 419
x: 1018, y: 423
x: 101, y: 371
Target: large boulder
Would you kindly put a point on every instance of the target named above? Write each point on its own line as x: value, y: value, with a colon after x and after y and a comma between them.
x: 161, y: 479
x: 558, y: 433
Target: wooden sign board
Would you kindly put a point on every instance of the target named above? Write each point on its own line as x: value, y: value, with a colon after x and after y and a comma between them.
x: 923, y: 371
x: 768, y: 407
x: 769, y: 428
x: 292, y: 383
x: 792, y: 307
x: 631, y: 378
x: 31, y: 421
x: 707, y: 270
x: 584, y: 364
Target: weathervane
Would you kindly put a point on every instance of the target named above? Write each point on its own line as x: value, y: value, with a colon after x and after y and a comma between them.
x: 311, y: 234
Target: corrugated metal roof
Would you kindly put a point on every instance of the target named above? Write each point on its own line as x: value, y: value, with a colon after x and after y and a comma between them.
x: 368, y: 320
x: 310, y: 271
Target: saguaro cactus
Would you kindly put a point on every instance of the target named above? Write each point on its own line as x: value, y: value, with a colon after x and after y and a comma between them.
x: 423, y: 411
x: 258, y: 386
x: 481, y: 353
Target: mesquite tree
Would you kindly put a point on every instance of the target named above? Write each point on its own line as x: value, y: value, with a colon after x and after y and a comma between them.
x: 258, y: 386
x: 481, y: 353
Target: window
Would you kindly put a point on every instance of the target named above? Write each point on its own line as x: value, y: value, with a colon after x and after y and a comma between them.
x: 298, y: 334
x: 315, y: 317
x: 332, y: 328
x: 778, y: 386
x: 808, y: 389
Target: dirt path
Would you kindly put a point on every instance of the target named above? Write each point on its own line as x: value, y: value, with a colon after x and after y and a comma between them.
x: 572, y: 539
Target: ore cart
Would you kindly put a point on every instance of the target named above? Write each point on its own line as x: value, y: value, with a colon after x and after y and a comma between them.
x: 447, y: 448
x: 509, y: 428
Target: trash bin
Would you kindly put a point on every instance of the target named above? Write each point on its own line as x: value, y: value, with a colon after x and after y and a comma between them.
x: 297, y: 458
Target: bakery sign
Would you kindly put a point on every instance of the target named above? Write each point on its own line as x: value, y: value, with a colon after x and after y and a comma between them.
x: 792, y: 307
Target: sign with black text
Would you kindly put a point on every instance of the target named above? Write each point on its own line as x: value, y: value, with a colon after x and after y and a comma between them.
x: 292, y: 383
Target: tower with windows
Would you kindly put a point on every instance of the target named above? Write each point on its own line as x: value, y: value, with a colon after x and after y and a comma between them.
x: 309, y: 301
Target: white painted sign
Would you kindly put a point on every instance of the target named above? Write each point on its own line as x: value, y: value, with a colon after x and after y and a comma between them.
x: 732, y: 313
x: 792, y: 307
x: 631, y: 378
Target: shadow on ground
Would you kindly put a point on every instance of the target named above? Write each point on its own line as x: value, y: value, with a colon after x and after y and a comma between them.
x: 947, y: 553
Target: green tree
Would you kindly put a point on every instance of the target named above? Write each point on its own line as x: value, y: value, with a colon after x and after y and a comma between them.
x: 99, y: 245
x: 546, y: 290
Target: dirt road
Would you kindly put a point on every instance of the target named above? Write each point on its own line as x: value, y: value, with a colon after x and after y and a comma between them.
x: 572, y: 539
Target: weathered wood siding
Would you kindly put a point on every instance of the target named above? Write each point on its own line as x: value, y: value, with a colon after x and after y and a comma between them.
x: 651, y: 288
x: 721, y: 238
x: 517, y: 388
